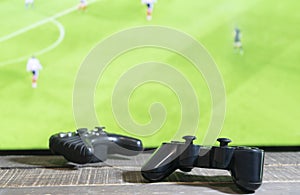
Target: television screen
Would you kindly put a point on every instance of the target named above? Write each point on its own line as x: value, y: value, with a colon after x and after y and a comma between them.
x: 148, y: 88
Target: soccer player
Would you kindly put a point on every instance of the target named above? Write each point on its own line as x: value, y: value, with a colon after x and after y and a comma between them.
x: 237, y: 40
x: 34, y: 66
x: 82, y: 5
x: 29, y: 3
x: 150, y: 5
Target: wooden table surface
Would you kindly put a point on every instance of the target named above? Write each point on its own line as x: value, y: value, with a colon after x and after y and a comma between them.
x: 50, y: 174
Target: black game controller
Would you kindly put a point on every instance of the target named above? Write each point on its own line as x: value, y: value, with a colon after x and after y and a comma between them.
x: 244, y: 163
x: 91, y: 146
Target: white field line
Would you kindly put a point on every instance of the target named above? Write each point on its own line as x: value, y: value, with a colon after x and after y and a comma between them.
x: 55, y: 44
x: 58, y: 41
x: 39, y: 23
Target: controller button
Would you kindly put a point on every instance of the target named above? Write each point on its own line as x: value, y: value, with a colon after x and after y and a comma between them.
x: 94, y: 132
x: 100, y: 129
x: 82, y: 130
x: 223, y: 142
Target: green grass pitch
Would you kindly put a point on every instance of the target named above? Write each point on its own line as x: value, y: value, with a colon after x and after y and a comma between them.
x: 262, y: 86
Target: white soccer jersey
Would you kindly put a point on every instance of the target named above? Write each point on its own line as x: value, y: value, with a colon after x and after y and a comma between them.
x: 148, y: 1
x: 29, y: 1
x: 33, y: 64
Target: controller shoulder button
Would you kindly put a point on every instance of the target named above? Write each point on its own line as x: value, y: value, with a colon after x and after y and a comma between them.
x: 224, y: 142
x: 189, y: 139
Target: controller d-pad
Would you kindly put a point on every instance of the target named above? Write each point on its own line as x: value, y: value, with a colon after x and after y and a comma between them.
x: 68, y: 134
x: 62, y: 135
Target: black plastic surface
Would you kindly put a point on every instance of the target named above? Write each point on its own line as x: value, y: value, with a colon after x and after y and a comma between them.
x: 244, y: 163
x: 90, y: 146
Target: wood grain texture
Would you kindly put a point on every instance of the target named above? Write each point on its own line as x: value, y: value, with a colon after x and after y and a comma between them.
x: 118, y: 175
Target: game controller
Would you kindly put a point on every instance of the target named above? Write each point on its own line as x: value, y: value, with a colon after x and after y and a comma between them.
x: 91, y: 146
x: 244, y: 163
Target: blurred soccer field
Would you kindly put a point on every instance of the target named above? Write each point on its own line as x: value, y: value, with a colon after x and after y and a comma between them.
x: 262, y: 86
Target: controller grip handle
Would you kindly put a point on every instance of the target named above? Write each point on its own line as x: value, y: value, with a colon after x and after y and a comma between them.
x: 247, y: 168
x: 124, y: 145
x: 73, y: 149
x: 158, y: 166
